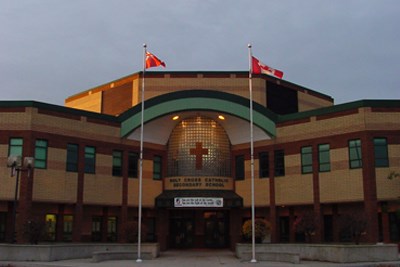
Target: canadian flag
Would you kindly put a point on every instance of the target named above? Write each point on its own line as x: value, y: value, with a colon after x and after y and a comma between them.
x: 153, y: 61
x: 258, y: 68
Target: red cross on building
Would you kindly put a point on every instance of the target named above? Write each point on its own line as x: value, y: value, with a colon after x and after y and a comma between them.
x: 199, y: 151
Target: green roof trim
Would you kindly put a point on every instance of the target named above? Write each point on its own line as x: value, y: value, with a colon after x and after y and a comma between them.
x: 198, y: 100
x: 61, y: 109
x: 339, y: 108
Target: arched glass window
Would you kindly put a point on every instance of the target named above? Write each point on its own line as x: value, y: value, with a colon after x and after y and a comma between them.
x: 199, y: 146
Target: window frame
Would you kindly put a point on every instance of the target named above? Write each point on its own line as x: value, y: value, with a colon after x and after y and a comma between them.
x: 384, y: 160
x: 263, y: 164
x: 239, y: 168
x: 157, y: 162
x: 38, y: 159
x: 117, y: 163
x: 90, y: 160
x: 133, y: 164
x: 12, y: 147
x: 306, y: 160
x: 279, y: 163
x: 324, y: 164
x: 355, y: 148
x: 72, y: 158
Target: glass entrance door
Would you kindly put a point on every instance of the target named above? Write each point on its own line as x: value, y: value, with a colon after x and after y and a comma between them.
x: 216, y: 230
x: 182, y: 233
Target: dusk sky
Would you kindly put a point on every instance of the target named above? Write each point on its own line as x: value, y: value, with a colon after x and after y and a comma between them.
x: 52, y: 49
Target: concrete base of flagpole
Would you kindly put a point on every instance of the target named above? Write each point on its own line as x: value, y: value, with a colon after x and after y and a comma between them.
x: 253, y: 261
x: 139, y: 260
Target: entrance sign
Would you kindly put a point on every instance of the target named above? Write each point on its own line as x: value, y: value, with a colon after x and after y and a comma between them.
x: 193, y: 183
x: 198, y: 202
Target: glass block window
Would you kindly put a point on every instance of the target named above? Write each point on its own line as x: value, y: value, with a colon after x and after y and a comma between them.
x: 90, y: 159
x: 381, y: 152
x: 72, y: 157
x: 279, y: 161
x: 199, y: 146
x: 117, y: 163
x: 157, y: 167
x: 133, y: 161
x: 355, y: 159
x: 15, y: 147
x: 324, y: 158
x: 306, y: 160
x: 263, y: 160
x: 41, y: 154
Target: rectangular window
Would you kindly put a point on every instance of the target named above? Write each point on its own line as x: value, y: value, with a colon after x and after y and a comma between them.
x: 355, y: 159
x: 97, y: 228
x: 51, y: 222
x: 72, y: 158
x: 279, y: 160
x: 112, y: 233
x: 239, y: 167
x: 67, y: 232
x: 133, y: 159
x: 324, y: 158
x: 263, y: 160
x: 381, y: 152
x: 41, y: 154
x: 90, y: 159
x: 117, y: 163
x: 306, y: 160
x: 15, y: 147
x: 157, y: 167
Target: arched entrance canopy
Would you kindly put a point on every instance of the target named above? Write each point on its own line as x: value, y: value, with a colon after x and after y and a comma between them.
x: 198, y: 100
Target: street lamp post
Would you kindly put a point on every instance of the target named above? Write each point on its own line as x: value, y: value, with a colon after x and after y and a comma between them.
x: 16, y: 165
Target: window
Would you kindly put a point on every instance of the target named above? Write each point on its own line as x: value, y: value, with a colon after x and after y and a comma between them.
x: 263, y: 160
x: 97, y: 228
x: 239, y: 167
x: 355, y: 160
x: 90, y: 159
x: 72, y: 158
x: 41, y: 154
x: 157, y: 164
x: 324, y: 159
x: 306, y: 160
x: 133, y: 164
x: 279, y: 160
x: 15, y: 147
x: 381, y: 152
x: 51, y: 222
x: 117, y: 163
x: 67, y: 232
x: 112, y: 233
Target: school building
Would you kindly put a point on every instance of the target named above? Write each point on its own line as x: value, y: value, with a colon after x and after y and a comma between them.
x: 309, y: 156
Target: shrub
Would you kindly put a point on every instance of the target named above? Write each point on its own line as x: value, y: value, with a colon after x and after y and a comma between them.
x: 305, y: 224
x: 262, y: 229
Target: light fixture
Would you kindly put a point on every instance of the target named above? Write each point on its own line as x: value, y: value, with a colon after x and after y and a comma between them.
x: 221, y: 117
x: 174, y: 118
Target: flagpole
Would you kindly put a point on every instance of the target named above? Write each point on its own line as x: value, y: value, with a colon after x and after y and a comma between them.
x: 253, y: 238
x: 139, y: 259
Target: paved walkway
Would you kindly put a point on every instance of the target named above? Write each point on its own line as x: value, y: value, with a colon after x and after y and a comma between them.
x: 190, y: 258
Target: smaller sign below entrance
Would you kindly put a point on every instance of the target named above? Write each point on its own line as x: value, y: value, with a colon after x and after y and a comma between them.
x: 203, y: 202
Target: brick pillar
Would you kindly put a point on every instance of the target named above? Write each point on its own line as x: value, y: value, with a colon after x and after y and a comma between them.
x: 60, y: 223
x: 78, y: 213
x: 272, y: 213
x: 123, y: 217
x: 369, y: 186
x: 316, y: 196
x: 385, y: 223
x: 335, y: 222
x: 25, y: 192
x: 162, y: 225
x: 292, y: 233
x: 104, y: 225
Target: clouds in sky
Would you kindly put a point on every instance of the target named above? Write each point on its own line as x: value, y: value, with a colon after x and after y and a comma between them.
x: 51, y: 49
